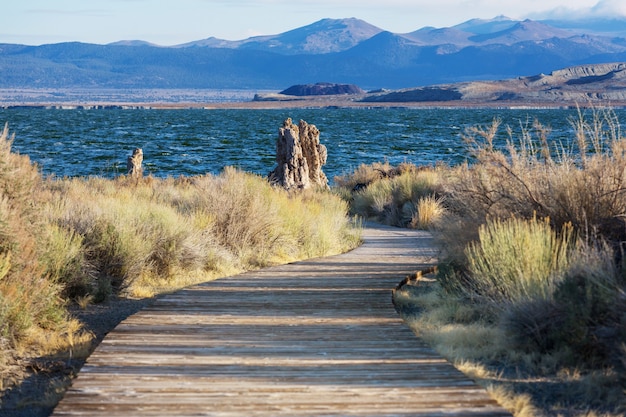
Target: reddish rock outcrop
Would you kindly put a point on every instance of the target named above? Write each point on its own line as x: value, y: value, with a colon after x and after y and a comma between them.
x: 300, y: 157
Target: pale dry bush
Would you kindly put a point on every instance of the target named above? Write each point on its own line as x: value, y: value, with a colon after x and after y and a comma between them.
x: 572, y: 316
x: 151, y: 235
x: 264, y: 224
x: 583, y: 184
x: 395, y: 200
x: 367, y: 174
x: 131, y: 236
x: 244, y: 214
x: 33, y: 319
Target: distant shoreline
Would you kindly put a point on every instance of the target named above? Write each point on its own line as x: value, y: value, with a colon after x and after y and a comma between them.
x: 599, y: 85
x: 248, y: 100
x: 305, y: 103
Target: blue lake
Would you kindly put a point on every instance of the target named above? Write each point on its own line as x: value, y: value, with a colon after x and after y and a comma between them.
x: 195, y: 141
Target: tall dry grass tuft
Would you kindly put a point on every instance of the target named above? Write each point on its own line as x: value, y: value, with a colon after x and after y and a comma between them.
x: 427, y: 213
x: 399, y: 196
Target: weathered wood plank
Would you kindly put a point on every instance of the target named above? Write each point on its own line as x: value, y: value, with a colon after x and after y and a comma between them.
x: 315, y: 338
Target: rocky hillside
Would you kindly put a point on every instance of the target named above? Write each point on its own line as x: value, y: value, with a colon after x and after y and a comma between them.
x: 321, y: 37
x: 321, y: 89
x: 598, y: 83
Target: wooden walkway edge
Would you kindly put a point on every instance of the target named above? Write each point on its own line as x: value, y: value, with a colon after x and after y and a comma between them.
x: 313, y: 338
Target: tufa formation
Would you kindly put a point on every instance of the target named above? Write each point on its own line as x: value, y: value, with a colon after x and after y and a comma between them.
x: 133, y: 164
x: 300, y: 157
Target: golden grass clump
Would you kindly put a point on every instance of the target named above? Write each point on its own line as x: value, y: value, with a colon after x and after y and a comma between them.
x: 152, y: 235
x: 428, y: 213
x: 402, y: 196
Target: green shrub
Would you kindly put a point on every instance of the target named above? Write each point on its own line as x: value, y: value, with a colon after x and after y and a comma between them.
x: 30, y: 304
x: 373, y: 201
x: 555, y: 296
x: 65, y: 262
x: 593, y: 298
x: 517, y: 260
x: 585, y: 319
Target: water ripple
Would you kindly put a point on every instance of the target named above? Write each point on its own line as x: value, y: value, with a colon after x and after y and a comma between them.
x: 193, y: 142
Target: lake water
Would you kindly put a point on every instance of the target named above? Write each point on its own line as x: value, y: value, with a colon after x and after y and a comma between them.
x: 97, y: 142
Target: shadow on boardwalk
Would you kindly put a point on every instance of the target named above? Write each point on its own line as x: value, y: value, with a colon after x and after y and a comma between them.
x: 314, y: 338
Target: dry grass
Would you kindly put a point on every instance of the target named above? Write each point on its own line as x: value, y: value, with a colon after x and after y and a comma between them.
x: 582, y: 184
x: 367, y: 174
x: 525, y: 383
x: 404, y: 196
x: 519, y: 404
x: 32, y: 313
x: 531, y: 293
x: 154, y: 235
x: 516, y: 260
x: 82, y: 240
x: 428, y: 213
x: 84, y: 301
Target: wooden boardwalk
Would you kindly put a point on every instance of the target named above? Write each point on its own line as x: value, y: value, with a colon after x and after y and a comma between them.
x: 314, y: 338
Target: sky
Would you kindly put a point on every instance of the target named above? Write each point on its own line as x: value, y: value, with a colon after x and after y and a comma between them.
x: 172, y: 22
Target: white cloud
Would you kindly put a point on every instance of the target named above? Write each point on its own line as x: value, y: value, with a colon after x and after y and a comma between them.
x: 603, y: 8
x: 609, y: 8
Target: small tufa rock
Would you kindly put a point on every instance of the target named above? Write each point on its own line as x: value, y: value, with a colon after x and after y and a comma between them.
x: 133, y: 164
x: 300, y: 157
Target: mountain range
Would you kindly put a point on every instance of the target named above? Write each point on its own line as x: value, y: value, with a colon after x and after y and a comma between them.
x: 349, y: 51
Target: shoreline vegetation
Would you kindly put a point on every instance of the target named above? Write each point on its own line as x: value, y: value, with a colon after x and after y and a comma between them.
x: 69, y: 245
x: 529, y: 297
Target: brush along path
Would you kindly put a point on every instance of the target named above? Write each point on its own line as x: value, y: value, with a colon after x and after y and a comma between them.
x: 313, y: 338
